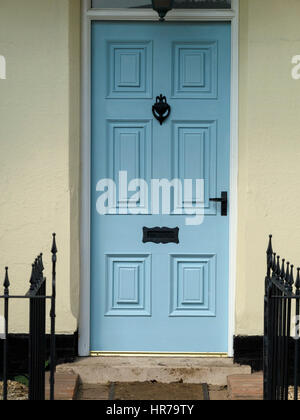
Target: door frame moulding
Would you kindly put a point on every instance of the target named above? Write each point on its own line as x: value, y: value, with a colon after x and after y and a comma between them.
x: 89, y: 15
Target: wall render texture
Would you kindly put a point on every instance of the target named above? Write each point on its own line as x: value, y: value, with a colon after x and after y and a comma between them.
x: 39, y: 159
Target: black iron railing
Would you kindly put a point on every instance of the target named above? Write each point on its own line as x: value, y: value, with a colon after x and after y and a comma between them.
x: 281, y: 329
x: 38, y: 298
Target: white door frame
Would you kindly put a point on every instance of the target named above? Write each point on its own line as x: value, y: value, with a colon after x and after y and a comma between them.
x: 88, y: 15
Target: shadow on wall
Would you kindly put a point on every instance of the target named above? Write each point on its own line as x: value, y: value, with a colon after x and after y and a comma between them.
x: 66, y: 352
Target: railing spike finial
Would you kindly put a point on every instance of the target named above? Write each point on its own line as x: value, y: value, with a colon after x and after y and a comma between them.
x: 54, y: 247
x: 6, y: 283
x: 35, y: 273
x: 291, y: 279
x: 41, y: 259
x: 282, y: 271
x: 287, y: 273
x: 298, y: 279
x: 270, y: 247
x: 40, y: 267
x: 32, y: 281
x: 274, y: 263
x: 278, y: 270
x: 269, y: 255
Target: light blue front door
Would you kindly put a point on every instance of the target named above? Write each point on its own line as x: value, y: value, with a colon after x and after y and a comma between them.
x: 149, y: 297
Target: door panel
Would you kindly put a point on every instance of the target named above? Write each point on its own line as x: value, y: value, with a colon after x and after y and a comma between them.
x: 128, y: 285
x: 147, y: 296
x: 195, y: 149
x: 130, y: 69
x: 195, y: 71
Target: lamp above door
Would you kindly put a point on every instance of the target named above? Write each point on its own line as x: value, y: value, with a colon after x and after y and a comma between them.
x: 162, y: 7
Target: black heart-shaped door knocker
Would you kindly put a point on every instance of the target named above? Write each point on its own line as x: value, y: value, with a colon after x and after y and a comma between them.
x: 161, y: 109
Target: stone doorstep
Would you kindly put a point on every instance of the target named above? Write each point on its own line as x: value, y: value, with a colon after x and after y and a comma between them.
x: 66, y: 386
x: 103, y: 370
x: 240, y: 387
x: 245, y: 387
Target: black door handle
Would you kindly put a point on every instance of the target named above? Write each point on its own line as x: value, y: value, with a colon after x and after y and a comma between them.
x: 224, y: 202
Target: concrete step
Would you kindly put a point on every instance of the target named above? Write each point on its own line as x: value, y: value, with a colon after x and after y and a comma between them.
x: 245, y: 387
x: 102, y: 370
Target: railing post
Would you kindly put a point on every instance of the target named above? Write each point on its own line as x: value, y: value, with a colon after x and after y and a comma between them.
x: 297, y: 320
x: 289, y: 288
x: 283, y: 362
x: 53, y: 316
x: 266, y: 357
x: 31, y: 342
x: 274, y: 329
x: 279, y: 332
x: 41, y: 330
x: 5, y: 344
x: 37, y: 332
x: 32, y: 337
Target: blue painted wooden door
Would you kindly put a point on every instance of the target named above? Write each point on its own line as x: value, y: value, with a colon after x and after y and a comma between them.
x: 151, y: 297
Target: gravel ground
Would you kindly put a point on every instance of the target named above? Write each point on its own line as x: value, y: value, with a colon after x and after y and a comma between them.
x: 291, y: 394
x: 19, y: 392
x: 16, y: 391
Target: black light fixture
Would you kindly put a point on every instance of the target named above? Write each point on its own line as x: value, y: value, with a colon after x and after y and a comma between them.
x: 162, y: 7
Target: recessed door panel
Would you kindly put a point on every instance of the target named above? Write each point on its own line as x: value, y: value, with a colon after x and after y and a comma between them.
x: 129, y: 69
x: 128, y: 285
x: 195, y: 152
x: 195, y: 72
x: 193, y: 286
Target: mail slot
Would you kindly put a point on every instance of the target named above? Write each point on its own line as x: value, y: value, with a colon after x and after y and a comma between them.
x: 162, y: 235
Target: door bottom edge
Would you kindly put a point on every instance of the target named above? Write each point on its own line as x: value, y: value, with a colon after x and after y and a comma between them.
x: 157, y: 354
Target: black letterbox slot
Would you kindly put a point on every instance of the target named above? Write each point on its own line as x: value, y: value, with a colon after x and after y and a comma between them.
x: 162, y: 235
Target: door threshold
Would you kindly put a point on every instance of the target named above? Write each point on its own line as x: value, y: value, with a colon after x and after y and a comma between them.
x: 157, y: 354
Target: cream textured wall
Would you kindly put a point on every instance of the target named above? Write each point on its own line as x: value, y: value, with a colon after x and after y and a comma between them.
x: 39, y: 143
x: 269, y: 149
